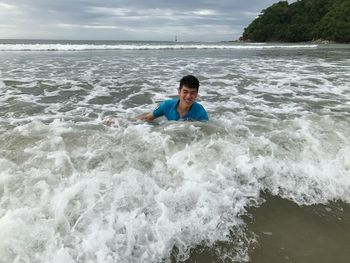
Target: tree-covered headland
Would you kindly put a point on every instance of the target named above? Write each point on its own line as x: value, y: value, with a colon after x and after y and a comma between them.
x: 302, y: 21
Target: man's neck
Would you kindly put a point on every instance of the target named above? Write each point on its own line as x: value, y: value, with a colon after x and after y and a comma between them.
x: 183, y: 109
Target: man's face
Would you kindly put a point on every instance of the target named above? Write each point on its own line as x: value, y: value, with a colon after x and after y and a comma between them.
x: 187, y: 95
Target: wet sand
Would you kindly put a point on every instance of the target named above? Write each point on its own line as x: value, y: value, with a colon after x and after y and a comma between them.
x: 286, y: 233
x: 289, y: 233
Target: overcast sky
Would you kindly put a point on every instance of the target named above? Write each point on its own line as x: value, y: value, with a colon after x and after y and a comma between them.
x: 190, y: 20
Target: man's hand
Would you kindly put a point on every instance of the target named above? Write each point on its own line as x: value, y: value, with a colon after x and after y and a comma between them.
x: 146, y: 117
x: 109, y: 121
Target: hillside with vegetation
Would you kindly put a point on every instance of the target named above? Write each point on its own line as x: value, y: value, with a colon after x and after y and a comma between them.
x: 302, y: 21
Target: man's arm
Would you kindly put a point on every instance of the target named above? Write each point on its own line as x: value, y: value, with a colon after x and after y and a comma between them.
x: 202, y: 114
x: 146, y: 117
x: 159, y: 111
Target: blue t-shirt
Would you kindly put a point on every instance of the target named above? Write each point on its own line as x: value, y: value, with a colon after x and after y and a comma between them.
x: 168, y: 109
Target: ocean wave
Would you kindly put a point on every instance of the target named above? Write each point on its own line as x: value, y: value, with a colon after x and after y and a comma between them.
x: 134, y: 191
x: 73, y: 189
x: 85, y: 47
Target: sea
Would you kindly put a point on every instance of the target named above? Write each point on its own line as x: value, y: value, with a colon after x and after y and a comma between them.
x: 266, y: 179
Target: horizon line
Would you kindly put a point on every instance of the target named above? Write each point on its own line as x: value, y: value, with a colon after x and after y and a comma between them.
x: 120, y: 40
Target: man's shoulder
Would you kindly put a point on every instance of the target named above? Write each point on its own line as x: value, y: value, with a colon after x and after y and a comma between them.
x: 200, y: 112
x: 198, y: 106
x: 169, y: 102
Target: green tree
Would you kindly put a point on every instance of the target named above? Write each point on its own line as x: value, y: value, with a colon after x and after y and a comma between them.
x: 335, y: 25
x: 303, y: 20
x: 269, y: 25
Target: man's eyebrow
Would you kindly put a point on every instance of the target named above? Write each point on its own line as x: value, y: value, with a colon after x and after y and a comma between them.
x: 191, y: 90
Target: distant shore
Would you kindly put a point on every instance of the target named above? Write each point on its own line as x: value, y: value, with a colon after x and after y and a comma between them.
x: 317, y: 41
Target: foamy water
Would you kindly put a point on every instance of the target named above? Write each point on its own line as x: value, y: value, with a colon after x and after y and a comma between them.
x: 143, y: 46
x: 75, y: 190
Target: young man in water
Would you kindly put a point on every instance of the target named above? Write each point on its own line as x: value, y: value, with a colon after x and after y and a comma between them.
x: 184, y: 107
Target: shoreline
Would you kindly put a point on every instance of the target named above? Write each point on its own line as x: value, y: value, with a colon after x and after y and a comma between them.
x: 287, y: 232
x: 318, y: 41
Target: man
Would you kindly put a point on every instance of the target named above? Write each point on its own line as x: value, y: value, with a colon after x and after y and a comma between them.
x: 184, y: 107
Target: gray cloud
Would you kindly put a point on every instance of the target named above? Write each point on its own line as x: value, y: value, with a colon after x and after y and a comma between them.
x: 203, y: 20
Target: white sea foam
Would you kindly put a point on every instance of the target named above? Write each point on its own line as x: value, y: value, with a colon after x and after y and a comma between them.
x: 82, y: 47
x: 74, y: 190
x: 2, y: 85
x: 136, y: 190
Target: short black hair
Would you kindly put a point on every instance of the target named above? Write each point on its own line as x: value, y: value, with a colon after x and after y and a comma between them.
x: 190, y: 82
